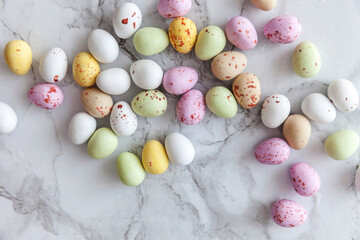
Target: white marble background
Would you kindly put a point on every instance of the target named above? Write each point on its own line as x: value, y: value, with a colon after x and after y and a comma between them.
x: 50, y: 189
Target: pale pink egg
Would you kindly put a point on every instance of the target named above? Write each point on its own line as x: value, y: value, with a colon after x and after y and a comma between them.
x: 304, y: 179
x: 272, y: 151
x: 191, y: 107
x: 173, y: 8
x: 283, y: 29
x: 241, y: 32
x: 46, y: 95
x: 179, y: 80
x: 288, y: 213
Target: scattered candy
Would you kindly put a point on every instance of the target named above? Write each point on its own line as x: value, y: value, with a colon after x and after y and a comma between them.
x: 173, y: 8
x: 151, y: 103
x: 297, y: 131
x: 344, y: 95
x: 53, y: 65
x: 247, y: 90
x: 227, y: 65
x: 179, y: 80
x: 182, y: 34
x: 288, y: 213
x: 306, y: 60
x: 221, y: 102
x: 103, y: 46
x: 18, y: 56
x: 283, y: 29
x: 241, y: 32
x: 211, y: 41
x: 191, y: 107
x: 275, y: 110
x: 130, y: 169
x: 265, y: 5
x: 341, y: 145
x: 85, y: 69
x: 154, y: 157
x: 123, y: 120
x: 82, y: 125
x: 304, y: 179
x: 272, y: 151
x: 8, y: 118
x: 113, y: 81
x: 146, y: 74
x: 127, y: 20
x: 46, y: 95
x: 318, y: 108
x: 97, y: 103
x: 150, y: 41
x: 102, y: 143
x: 179, y: 149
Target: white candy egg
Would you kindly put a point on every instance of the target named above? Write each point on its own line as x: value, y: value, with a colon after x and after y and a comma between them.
x: 113, y: 81
x: 82, y: 125
x: 8, y: 118
x: 103, y: 46
x: 318, y: 108
x: 53, y: 65
x: 179, y: 149
x: 344, y: 95
x: 126, y: 20
x: 123, y: 120
x: 275, y: 110
x: 146, y: 74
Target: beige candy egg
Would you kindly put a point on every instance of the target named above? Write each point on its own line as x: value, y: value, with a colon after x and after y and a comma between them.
x: 247, y: 90
x: 228, y: 65
x: 97, y: 103
x: 265, y: 5
x: 297, y: 130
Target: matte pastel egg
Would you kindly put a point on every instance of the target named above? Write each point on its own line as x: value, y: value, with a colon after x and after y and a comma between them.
x: 342, y: 144
x: 179, y: 80
x: 151, y: 103
x: 103, y: 46
x: 343, y: 94
x: 8, y: 118
x: 102, y: 143
x: 227, y: 65
x: 154, y: 157
x: 18, y: 56
x: 221, y: 102
x: 272, y: 151
x: 182, y: 34
x: 46, y: 95
x: 126, y: 20
x: 113, y: 81
x: 85, y: 69
x: 82, y: 125
x: 288, y: 213
x: 191, y: 107
x: 241, y: 33
x: 306, y: 59
x: 173, y: 8
x: 275, y: 110
x: 247, y: 90
x: 318, y: 108
x: 283, y: 29
x: 211, y: 41
x: 123, y: 120
x: 150, y: 41
x: 304, y: 179
x: 297, y: 131
x: 146, y: 74
x: 53, y: 65
x: 97, y: 103
x: 179, y: 149
x: 130, y: 170
x: 265, y: 5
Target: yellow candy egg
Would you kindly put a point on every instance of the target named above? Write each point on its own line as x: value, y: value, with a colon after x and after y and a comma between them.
x: 85, y: 69
x: 182, y: 34
x: 154, y: 157
x: 18, y: 56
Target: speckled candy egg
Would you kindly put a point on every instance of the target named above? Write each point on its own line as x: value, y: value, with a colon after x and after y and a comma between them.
x: 306, y: 60
x: 283, y: 29
x: 265, y: 5
x: 344, y: 95
x: 150, y: 41
x: 182, y: 34
x: 97, y: 103
x: 272, y: 151
x: 247, y: 90
x: 191, y: 107
x: 221, y: 102
x: 126, y: 20
x: 288, y: 213
x: 275, y: 110
x: 85, y: 69
x: 211, y: 41
x: 146, y: 74
x: 318, y: 108
x: 173, y: 8
x: 53, y: 65
x: 228, y: 65
x: 46, y: 95
x: 18, y: 56
x: 341, y: 145
x: 103, y: 46
x: 179, y: 80
x: 241, y: 33
x: 297, y: 131
x: 304, y: 179
x: 154, y: 157
x: 152, y: 103
x: 123, y: 120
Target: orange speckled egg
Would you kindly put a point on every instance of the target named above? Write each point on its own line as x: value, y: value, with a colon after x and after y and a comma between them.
x: 182, y: 34
x: 85, y: 69
x: 228, y: 65
x: 247, y: 90
x: 97, y: 103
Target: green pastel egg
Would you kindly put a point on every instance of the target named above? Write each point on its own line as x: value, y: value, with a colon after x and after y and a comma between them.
x: 150, y: 41
x: 130, y: 169
x: 306, y: 59
x: 211, y: 41
x: 102, y: 143
x: 342, y: 144
x: 221, y: 102
x: 150, y: 103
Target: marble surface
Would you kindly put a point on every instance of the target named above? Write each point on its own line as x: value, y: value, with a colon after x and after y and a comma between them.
x: 51, y: 189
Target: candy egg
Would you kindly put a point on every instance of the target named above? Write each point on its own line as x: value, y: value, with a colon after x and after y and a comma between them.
x: 53, y: 65
x: 8, y: 118
x: 126, y: 20
x: 102, y: 143
x: 113, y: 81
x: 241, y: 32
x: 182, y: 34
x: 283, y: 29
x: 304, y: 179
x: 123, y: 120
x: 288, y: 213
x: 179, y: 80
x: 146, y: 74
x: 272, y: 151
x: 191, y: 107
x: 82, y: 125
x: 297, y: 130
x: 18, y: 56
x: 247, y: 90
x: 154, y: 158
x: 97, y: 103
x: 152, y: 103
x: 211, y: 41
x: 150, y: 41
x: 130, y: 170
x: 173, y: 8
x: 179, y: 149
x: 275, y: 110
x: 265, y: 5
x: 342, y: 145
x: 318, y: 108
x: 227, y: 65
x: 343, y: 94
x: 306, y: 60
x: 221, y: 102
x: 85, y: 69
x: 103, y: 46
x: 46, y: 95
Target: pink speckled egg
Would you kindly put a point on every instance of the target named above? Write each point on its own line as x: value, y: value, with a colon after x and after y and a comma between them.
x: 46, y: 95
x: 272, y: 151
x: 304, y: 179
x: 191, y: 107
x: 288, y: 213
x: 283, y: 29
x: 174, y: 8
x: 241, y: 33
x: 179, y: 80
